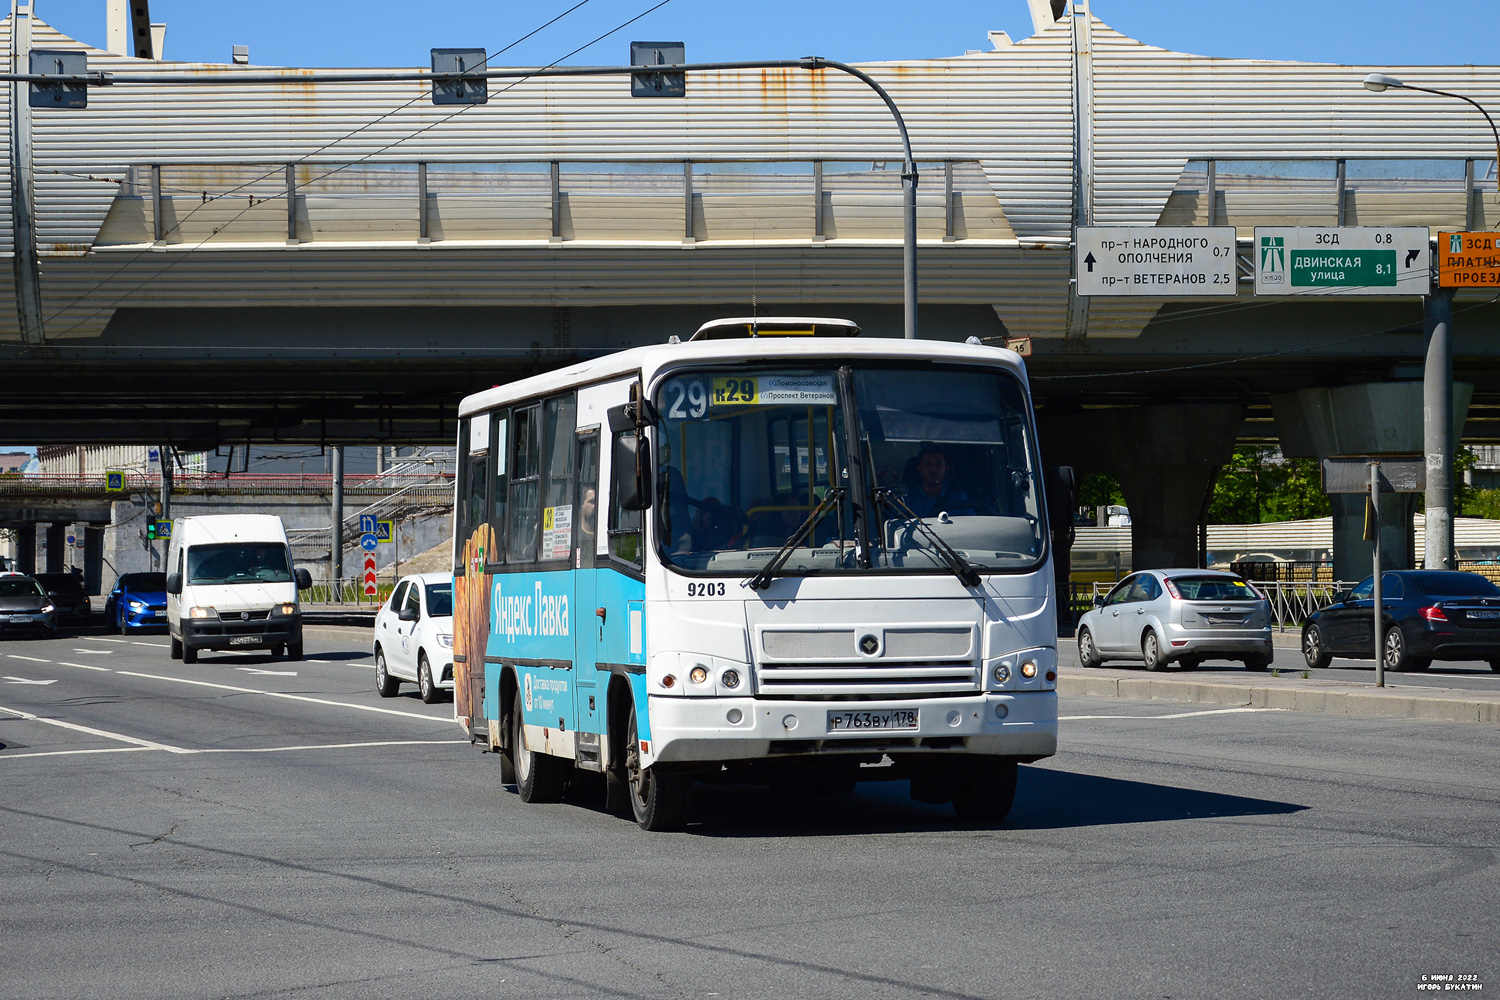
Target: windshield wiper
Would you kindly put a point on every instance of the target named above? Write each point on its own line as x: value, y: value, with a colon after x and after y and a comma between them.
x: 961, y: 567
x: 762, y: 580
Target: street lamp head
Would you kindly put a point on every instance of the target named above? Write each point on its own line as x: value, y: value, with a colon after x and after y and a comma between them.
x: 1379, y: 82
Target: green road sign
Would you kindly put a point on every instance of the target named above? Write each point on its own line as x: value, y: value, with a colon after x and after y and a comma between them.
x: 1342, y: 260
x: 1342, y: 268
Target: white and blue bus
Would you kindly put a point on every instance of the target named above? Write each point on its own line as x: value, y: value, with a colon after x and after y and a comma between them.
x: 775, y: 552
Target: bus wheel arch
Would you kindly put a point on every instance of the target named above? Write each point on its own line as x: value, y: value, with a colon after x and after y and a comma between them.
x: 617, y: 701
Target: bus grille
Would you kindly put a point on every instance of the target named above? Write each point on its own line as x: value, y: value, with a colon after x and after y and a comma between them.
x: 861, y: 682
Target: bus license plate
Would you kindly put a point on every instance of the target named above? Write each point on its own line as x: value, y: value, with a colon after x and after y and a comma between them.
x: 881, y: 721
x: 245, y: 640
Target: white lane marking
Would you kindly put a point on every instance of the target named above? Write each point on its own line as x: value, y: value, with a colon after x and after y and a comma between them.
x: 74, y: 753
x: 22, y: 680
x: 111, y: 652
x: 289, y: 673
x: 94, y: 638
x: 291, y: 697
x: 38, y: 659
x: 144, y: 744
x: 162, y: 645
x: 84, y: 666
x: 1178, y: 715
x: 336, y: 746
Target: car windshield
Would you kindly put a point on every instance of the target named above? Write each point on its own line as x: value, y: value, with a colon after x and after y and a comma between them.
x: 440, y: 600
x: 746, y: 456
x: 1213, y: 588
x: 1453, y: 585
x: 144, y: 583
x: 238, y: 562
x: 21, y: 587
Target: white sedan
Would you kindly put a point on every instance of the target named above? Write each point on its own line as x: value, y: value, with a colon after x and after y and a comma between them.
x: 414, y: 637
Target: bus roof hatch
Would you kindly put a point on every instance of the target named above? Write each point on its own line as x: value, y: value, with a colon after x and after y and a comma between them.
x: 775, y: 326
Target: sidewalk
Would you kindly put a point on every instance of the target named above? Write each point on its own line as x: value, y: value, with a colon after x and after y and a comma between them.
x: 1288, y: 691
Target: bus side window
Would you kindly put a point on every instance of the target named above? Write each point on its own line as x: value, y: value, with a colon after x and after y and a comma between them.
x: 626, y: 539
x: 525, y: 484
x: 558, y: 515
x: 499, y: 487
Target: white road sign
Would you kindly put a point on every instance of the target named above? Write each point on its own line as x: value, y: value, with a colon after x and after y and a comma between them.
x: 1348, y: 260
x: 1155, y: 261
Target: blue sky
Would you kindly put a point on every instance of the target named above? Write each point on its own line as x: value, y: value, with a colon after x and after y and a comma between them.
x: 390, y: 33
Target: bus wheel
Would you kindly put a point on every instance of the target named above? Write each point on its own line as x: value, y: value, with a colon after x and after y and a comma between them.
x: 986, y: 792
x: 539, y: 777
x: 657, y: 797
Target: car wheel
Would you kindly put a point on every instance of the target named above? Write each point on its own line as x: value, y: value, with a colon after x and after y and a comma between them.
x: 189, y: 654
x: 658, y: 797
x: 1394, y: 652
x: 540, y: 777
x: 1495, y: 666
x: 1191, y: 663
x: 1257, y: 663
x: 986, y: 793
x: 1151, y: 650
x: 430, y: 692
x: 1313, y: 650
x: 294, y: 651
x: 176, y: 649
x: 112, y: 623
x: 278, y: 651
x: 1088, y: 653
x: 385, y: 684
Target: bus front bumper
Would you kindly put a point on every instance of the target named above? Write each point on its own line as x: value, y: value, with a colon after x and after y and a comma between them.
x: 699, y: 729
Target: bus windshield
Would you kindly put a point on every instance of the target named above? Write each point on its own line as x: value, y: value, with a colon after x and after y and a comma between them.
x: 746, y: 456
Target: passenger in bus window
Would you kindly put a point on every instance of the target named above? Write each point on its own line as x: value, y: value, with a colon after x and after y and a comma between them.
x: 933, y: 493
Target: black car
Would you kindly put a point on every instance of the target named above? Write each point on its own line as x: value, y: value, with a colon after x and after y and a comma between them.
x: 24, y: 606
x: 68, y: 595
x: 1428, y: 615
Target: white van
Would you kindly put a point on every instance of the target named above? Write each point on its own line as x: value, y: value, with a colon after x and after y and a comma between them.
x: 230, y: 585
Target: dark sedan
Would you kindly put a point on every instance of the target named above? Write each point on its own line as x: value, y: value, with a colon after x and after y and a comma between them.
x: 138, y: 601
x: 68, y: 596
x: 1427, y: 615
x: 25, y: 606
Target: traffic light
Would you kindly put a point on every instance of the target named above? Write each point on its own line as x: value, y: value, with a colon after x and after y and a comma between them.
x: 151, y: 528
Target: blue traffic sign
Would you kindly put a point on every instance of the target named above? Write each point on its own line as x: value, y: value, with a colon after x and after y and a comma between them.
x: 369, y: 542
x: 367, y: 524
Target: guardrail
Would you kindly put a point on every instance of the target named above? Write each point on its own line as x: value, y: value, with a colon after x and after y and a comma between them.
x: 1291, y: 602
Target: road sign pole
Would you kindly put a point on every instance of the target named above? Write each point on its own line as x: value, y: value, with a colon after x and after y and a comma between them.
x: 1375, y: 584
x: 336, y: 550
x: 1437, y: 429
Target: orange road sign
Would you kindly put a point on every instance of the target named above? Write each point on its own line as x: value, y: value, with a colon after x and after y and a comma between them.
x: 1469, y: 260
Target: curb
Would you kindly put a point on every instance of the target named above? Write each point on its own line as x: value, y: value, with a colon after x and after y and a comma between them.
x: 1438, y: 704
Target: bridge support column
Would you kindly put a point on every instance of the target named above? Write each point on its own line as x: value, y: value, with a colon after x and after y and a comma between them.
x: 1373, y: 418
x: 57, y: 547
x: 26, y: 548
x: 1165, y: 456
x: 93, y: 558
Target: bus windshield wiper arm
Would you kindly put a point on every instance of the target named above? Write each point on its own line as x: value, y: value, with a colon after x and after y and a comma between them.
x: 762, y: 580
x: 961, y: 567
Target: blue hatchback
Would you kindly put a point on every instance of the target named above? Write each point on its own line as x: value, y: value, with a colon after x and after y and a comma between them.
x: 139, y: 601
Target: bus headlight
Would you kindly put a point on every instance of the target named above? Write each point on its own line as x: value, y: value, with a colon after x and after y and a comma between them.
x: 730, y: 679
x: 1028, y: 669
x: 1002, y: 673
x: 698, y: 674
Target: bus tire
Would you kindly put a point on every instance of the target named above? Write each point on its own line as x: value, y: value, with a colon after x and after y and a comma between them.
x: 540, y: 777
x: 657, y: 796
x: 986, y: 792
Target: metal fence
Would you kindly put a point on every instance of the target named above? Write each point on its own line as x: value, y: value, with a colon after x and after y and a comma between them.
x: 1291, y: 602
x: 347, y: 591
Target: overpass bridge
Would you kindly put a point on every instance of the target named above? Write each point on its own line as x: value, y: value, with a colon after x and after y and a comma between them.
x: 330, y: 262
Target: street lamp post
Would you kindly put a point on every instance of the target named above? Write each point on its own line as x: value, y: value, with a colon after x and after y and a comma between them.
x: 1437, y: 376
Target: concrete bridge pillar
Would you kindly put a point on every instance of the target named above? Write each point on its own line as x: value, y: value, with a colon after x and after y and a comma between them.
x: 1370, y: 419
x: 26, y: 548
x: 1165, y: 456
x: 57, y: 548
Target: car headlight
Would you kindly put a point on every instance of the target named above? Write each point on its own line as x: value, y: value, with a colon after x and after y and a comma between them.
x: 446, y: 641
x: 137, y: 606
x: 202, y: 613
x: 47, y: 610
x: 287, y: 609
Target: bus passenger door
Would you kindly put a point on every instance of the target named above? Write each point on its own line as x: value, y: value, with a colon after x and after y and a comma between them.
x: 588, y: 626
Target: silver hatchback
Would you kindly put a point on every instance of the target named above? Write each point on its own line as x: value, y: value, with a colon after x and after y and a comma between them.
x: 1160, y: 616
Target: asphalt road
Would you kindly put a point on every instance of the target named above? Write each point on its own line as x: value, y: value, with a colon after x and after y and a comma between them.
x: 254, y: 828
